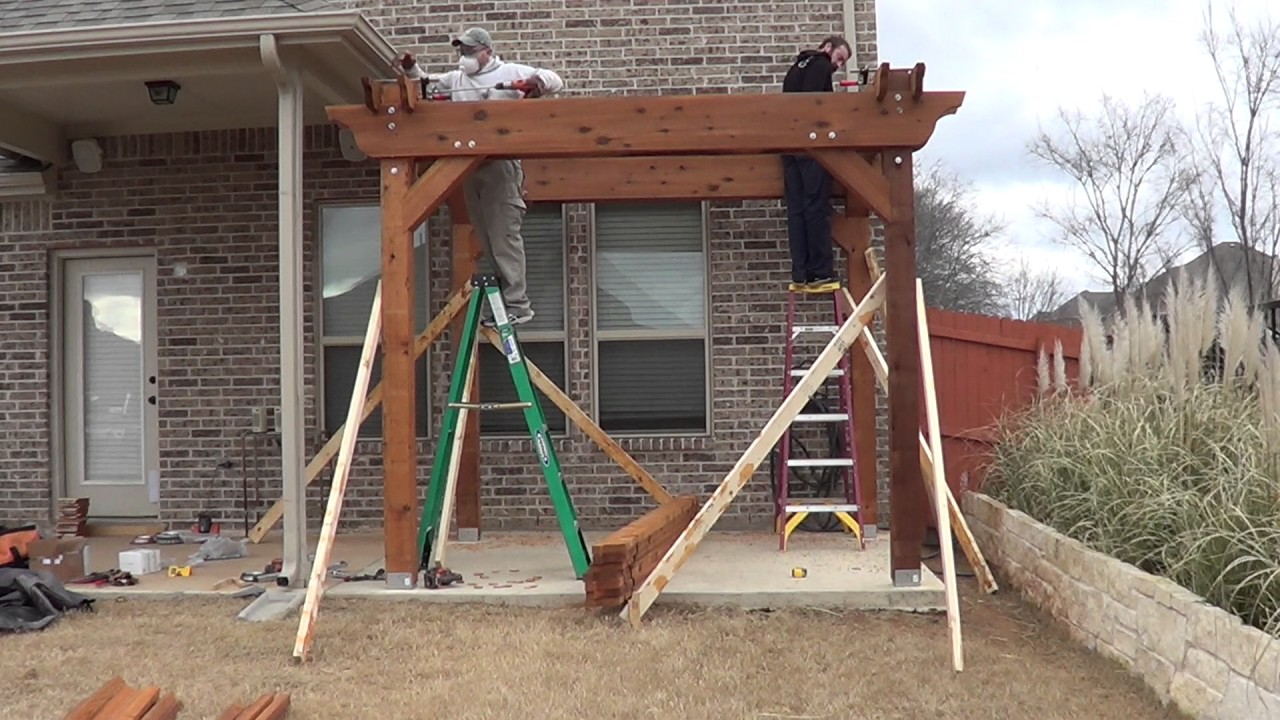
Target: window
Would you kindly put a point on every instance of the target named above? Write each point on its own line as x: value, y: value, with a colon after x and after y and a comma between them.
x: 543, y: 338
x: 650, y: 318
x: 351, y: 264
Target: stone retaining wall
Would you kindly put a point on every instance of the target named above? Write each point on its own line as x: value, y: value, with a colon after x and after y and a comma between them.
x: 1192, y: 653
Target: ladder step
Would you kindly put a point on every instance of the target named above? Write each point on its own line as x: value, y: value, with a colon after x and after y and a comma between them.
x: 823, y: 507
x: 820, y: 462
x: 491, y: 406
x: 801, y: 329
x: 799, y: 372
x: 822, y: 417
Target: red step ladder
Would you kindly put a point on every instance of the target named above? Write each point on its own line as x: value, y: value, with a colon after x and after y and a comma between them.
x: 790, y: 512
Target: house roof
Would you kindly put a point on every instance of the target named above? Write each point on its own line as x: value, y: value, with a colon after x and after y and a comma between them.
x: 29, y: 16
x: 227, y: 57
x: 1228, y: 257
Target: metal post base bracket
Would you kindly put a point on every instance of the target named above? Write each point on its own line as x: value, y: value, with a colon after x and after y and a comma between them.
x: 906, y: 578
x: 401, y: 581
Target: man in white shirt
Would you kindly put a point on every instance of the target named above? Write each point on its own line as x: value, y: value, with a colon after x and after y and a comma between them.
x: 495, y: 190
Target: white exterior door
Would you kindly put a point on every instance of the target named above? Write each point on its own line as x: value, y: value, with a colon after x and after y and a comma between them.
x: 110, y: 423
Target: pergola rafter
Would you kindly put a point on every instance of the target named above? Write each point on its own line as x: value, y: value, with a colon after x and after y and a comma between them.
x: 706, y: 147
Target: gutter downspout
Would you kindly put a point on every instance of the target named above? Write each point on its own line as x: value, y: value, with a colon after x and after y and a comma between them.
x: 295, y: 565
x: 851, y: 34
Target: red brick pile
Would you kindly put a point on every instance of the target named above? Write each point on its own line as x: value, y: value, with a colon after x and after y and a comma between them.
x: 621, y: 561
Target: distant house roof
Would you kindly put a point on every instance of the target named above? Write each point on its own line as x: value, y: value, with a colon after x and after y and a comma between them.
x: 1229, y: 258
x: 34, y: 15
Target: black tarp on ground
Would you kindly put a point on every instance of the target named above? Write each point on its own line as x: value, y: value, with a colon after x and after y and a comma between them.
x: 32, y: 600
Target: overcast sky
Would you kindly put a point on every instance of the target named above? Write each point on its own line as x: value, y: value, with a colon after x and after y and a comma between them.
x: 1018, y: 62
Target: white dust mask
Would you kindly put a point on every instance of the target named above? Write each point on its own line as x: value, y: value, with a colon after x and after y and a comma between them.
x: 468, y: 64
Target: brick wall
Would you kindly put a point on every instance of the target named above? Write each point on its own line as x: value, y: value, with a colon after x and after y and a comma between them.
x: 222, y: 224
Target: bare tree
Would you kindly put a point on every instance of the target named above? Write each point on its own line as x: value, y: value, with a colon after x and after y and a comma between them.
x: 1029, y: 292
x: 1129, y: 164
x: 1239, y: 151
x: 953, y: 245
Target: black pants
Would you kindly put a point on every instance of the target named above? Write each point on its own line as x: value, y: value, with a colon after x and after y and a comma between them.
x: 807, y: 187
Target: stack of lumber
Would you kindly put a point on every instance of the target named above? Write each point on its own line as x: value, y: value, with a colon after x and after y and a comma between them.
x: 72, y: 514
x: 622, y: 561
x: 271, y: 706
x: 117, y: 701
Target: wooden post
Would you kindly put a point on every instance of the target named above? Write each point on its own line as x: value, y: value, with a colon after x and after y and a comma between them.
x: 399, y: 424
x: 465, y: 253
x: 374, y: 402
x: 907, y: 509
x: 329, y: 529
x: 853, y: 233
x: 938, y: 488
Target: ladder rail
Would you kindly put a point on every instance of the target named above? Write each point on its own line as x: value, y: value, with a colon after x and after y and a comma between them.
x: 787, y: 517
x: 433, y: 529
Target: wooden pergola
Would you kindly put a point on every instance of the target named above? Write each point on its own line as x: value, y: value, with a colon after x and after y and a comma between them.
x: 704, y: 147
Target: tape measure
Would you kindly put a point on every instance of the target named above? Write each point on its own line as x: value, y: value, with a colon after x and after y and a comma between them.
x: 799, y: 572
x: 179, y: 571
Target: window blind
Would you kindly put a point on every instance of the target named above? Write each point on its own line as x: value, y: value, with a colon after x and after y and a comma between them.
x: 543, y: 337
x: 650, y: 317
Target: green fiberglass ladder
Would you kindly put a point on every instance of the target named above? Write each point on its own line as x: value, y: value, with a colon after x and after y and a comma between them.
x: 434, y: 527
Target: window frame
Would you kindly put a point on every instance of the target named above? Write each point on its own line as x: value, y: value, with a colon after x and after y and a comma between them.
x: 539, y: 336
x: 323, y: 341
x: 708, y: 429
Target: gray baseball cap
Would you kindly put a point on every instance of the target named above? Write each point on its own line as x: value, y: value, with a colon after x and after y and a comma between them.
x: 473, y: 37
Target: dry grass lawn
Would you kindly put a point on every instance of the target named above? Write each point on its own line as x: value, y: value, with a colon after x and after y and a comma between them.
x: 403, y: 659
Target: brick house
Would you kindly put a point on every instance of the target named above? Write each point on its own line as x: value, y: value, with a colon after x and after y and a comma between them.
x: 139, y: 237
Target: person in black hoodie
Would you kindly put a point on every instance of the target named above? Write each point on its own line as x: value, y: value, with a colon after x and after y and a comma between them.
x: 806, y: 184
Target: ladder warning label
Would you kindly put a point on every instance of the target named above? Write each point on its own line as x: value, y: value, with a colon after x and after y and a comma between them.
x: 540, y: 447
x: 510, y: 348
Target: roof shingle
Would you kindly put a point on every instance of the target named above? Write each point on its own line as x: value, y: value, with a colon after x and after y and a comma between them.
x: 27, y: 16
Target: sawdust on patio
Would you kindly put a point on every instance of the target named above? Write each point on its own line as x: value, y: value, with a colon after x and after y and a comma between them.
x: 406, y: 659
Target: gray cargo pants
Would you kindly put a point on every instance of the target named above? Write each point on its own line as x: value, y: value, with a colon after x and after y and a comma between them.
x: 495, y: 202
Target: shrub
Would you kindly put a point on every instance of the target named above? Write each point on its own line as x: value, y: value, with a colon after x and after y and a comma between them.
x: 1164, y: 455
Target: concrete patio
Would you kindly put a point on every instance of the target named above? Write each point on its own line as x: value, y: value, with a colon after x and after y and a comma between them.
x: 743, y: 569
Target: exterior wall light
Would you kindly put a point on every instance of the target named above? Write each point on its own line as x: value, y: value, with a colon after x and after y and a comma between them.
x: 163, y: 92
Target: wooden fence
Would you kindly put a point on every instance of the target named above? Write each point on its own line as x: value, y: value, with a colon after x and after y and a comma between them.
x: 985, y: 367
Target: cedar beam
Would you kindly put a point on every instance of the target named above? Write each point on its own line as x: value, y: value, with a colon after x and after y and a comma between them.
x: 441, y: 179
x: 907, y: 510
x: 853, y: 234
x: 466, y: 250
x: 399, y: 424
x: 686, y: 177
x: 648, y: 125
x: 860, y: 180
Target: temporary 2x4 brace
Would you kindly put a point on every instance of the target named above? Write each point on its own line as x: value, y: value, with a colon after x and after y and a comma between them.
x: 435, y: 523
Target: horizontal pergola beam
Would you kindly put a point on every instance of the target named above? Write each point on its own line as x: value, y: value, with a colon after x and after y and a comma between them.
x: 584, y: 127
x: 688, y: 177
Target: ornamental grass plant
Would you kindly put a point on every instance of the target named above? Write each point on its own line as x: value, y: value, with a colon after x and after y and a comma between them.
x: 1166, y: 453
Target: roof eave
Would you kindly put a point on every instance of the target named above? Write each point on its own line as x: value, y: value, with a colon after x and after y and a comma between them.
x: 107, y: 40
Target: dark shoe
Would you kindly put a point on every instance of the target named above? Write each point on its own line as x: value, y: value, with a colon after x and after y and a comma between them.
x: 822, y: 285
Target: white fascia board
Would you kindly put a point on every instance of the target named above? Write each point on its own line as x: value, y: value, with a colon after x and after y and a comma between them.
x: 28, y: 184
x: 154, y: 38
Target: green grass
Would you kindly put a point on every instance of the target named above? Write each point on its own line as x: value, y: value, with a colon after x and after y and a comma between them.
x: 1156, y: 463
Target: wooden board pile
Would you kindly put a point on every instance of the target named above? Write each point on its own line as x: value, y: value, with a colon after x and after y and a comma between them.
x: 115, y: 700
x: 622, y: 561
x: 72, y: 514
